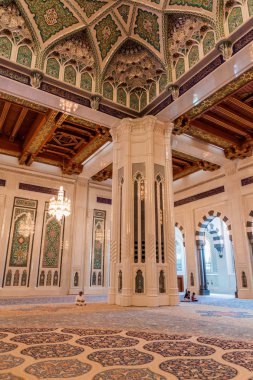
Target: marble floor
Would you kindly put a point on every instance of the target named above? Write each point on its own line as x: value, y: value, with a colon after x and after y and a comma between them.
x: 50, y: 338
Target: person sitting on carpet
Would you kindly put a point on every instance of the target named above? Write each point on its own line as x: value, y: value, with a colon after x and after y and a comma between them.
x: 187, y: 296
x: 80, y: 301
x: 194, y: 299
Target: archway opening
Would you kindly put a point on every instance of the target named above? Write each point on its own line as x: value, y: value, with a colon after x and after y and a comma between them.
x: 180, y: 257
x: 219, y: 258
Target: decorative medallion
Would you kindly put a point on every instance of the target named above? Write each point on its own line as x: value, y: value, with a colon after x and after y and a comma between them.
x: 109, y: 358
x: 147, y: 27
x: 51, y: 17
x: 84, y: 332
x: 53, y: 351
x: 38, y: 338
x: 113, y: 341
x: 226, y: 344
x: 179, y: 349
x: 107, y: 34
x: 10, y: 361
x: 6, y: 347
x: 242, y: 358
x: 201, y: 369
x: 156, y: 336
x: 58, y: 369
x: 128, y: 374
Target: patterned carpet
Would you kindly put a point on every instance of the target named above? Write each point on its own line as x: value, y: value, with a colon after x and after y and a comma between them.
x: 103, y: 342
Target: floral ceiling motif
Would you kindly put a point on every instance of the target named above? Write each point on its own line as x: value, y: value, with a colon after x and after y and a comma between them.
x: 85, y: 42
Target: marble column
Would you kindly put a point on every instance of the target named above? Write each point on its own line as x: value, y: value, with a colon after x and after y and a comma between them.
x: 203, y: 290
x: 242, y: 255
x: 143, y: 262
x: 77, y: 281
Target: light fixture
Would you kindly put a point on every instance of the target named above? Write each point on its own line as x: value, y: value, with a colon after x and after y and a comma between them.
x: 68, y: 106
x: 142, y: 191
x: 26, y: 226
x: 61, y: 206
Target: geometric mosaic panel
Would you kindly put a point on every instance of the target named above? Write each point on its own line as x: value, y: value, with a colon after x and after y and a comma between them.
x: 20, y: 245
x: 98, y: 248
x: 51, y: 250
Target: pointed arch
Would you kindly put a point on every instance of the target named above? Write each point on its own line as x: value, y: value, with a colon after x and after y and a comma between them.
x: 202, y: 225
x: 181, y: 229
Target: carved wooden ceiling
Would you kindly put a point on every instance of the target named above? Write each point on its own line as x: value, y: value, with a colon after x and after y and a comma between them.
x: 224, y: 121
x: 183, y: 165
x: 36, y: 133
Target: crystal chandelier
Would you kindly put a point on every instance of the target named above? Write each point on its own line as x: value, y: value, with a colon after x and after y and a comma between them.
x: 26, y: 226
x: 61, y: 206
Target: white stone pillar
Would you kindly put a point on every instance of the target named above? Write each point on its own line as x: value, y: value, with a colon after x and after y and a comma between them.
x: 142, y: 155
x: 239, y: 233
x: 77, y: 280
x: 169, y: 217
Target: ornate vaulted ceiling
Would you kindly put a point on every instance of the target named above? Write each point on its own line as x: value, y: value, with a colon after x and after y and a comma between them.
x: 124, y: 51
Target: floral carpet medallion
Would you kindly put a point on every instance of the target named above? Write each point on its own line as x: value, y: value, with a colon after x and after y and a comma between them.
x: 53, y: 351
x: 39, y: 338
x: 113, y: 341
x: 231, y: 314
x: 58, y: 369
x: 155, y: 336
x: 84, y: 332
x: 120, y: 357
x: 10, y: 361
x: 10, y: 376
x: 179, y: 349
x: 200, y: 369
x: 2, y: 335
x: 226, y: 344
x: 244, y: 359
x: 128, y: 374
x: 14, y: 330
x: 6, y: 347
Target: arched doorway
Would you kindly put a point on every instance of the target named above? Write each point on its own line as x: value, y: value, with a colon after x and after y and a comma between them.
x: 180, y: 257
x: 216, y: 256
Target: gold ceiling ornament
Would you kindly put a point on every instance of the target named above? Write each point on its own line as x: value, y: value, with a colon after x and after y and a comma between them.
x: 60, y: 206
x: 26, y: 226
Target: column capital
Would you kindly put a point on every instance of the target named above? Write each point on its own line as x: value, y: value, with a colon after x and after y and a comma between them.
x: 169, y: 128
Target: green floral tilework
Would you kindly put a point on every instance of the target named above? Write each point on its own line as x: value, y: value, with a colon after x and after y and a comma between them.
x: 90, y: 6
x: 51, y: 17
x: 107, y: 34
x: 205, y: 4
x: 124, y: 12
x: 147, y: 27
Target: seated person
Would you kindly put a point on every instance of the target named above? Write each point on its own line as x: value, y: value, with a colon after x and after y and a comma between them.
x: 187, y: 296
x: 80, y: 301
x: 194, y: 299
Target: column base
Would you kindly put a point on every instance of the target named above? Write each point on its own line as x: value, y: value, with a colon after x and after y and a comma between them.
x: 245, y: 294
x: 173, y: 298
x: 204, y: 292
x: 111, y: 298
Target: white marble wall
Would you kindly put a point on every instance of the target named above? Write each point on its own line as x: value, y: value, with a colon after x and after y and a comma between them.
x: 13, y: 177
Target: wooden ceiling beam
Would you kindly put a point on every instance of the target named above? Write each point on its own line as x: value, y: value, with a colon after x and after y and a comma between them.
x: 225, y: 124
x: 4, y: 114
x: 240, y: 105
x: 41, y: 132
x: 10, y: 148
x: 18, y: 124
x: 222, y: 110
x: 214, y: 131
